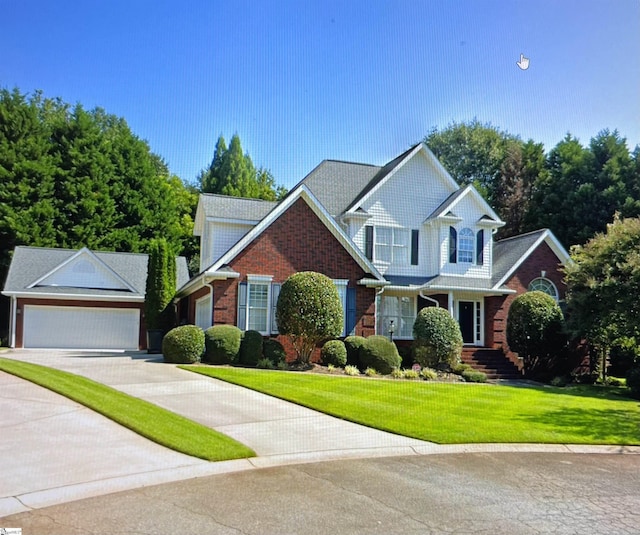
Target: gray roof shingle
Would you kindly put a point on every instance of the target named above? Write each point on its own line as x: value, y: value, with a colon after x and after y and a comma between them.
x: 507, y: 252
x: 225, y: 207
x: 32, y: 263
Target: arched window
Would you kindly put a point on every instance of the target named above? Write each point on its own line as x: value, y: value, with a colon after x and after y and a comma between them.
x: 544, y: 285
x: 465, y: 246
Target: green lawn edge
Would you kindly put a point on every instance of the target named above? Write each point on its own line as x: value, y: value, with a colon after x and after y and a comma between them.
x: 459, y: 413
x: 146, y: 419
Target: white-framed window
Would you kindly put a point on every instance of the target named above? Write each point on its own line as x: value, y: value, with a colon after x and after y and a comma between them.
x: 391, y: 245
x: 542, y: 284
x: 400, y: 309
x: 466, y: 246
x: 254, y: 304
x: 203, y: 312
x: 341, y: 286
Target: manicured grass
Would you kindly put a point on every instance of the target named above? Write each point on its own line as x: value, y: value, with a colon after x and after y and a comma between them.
x: 150, y: 421
x: 455, y: 413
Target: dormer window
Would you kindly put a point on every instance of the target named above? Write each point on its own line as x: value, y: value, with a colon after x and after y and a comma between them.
x: 466, y: 246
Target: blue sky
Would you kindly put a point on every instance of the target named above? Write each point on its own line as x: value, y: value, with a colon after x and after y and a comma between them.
x: 305, y: 81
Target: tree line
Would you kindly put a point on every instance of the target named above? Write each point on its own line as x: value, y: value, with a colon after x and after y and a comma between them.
x: 574, y: 190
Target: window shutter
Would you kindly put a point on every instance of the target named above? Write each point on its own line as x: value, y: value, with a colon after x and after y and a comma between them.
x: 453, y: 245
x: 480, y: 247
x: 242, y: 306
x: 415, y: 237
x: 275, y: 293
x: 351, y: 310
x: 368, y: 242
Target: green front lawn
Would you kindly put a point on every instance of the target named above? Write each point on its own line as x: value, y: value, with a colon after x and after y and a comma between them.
x: 455, y: 413
x: 159, y: 425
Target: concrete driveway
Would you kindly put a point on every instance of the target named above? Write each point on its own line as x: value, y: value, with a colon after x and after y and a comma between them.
x: 53, y: 451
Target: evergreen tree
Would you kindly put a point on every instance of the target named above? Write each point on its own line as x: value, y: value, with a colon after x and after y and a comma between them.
x: 232, y: 173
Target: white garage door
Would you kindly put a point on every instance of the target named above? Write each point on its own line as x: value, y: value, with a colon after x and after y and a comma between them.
x: 80, y: 327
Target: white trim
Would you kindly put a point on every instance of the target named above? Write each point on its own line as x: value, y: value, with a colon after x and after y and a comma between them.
x: 79, y: 297
x: 92, y: 256
x: 246, y: 222
x: 209, y: 297
x: 478, y: 199
x: 421, y: 147
x: 13, y: 322
x: 555, y: 288
x: 478, y: 341
x: 553, y: 243
x: 259, y: 278
x: 300, y: 192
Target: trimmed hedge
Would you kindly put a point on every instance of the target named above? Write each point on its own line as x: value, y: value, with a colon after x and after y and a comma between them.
x: 354, y: 344
x: 379, y: 353
x: 437, y: 338
x: 222, y: 343
x: 250, y: 348
x: 274, y: 351
x: 334, y: 352
x: 183, y: 345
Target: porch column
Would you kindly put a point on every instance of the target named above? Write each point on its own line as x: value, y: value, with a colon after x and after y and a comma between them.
x: 451, y: 311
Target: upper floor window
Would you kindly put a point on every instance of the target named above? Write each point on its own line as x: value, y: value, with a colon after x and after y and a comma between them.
x: 544, y: 285
x: 391, y: 245
x: 463, y: 245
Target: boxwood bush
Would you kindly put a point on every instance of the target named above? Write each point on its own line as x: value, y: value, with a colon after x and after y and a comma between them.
x: 183, y: 345
x: 222, y: 344
x: 379, y: 353
x: 250, y: 348
x: 353, y: 344
x: 437, y: 338
x: 273, y: 350
x: 334, y: 352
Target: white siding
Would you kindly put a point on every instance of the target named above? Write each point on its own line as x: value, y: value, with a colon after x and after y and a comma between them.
x: 470, y: 212
x: 84, y: 272
x: 218, y: 238
x: 405, y: 201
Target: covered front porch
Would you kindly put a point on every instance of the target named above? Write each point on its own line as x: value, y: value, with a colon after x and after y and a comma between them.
x: 398, y: 304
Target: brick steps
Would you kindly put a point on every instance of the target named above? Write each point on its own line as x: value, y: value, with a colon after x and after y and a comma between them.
x: 493, y: 362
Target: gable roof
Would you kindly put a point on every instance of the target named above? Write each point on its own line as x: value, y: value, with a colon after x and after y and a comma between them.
x: 510, y: 253
x: 392, y: 167
x: 220, y: 268
x: 220, y: 207
x: 335, y: 183
x: 31, y: 265
x: 446, y: 208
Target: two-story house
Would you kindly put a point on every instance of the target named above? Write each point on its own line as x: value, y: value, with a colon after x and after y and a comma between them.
x: 394, y: 239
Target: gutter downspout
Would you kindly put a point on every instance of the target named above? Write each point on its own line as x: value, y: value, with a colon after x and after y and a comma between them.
x: 12, y: 322
x: 428, y: 298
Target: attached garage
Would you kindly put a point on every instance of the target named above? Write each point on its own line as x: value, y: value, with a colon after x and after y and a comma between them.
x: 80, y: 327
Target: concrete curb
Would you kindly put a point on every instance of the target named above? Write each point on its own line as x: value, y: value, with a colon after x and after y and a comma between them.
x: 56, y: 496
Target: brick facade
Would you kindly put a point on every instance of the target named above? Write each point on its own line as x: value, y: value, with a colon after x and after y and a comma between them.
x: 279, y: 251
x: 497, y: 307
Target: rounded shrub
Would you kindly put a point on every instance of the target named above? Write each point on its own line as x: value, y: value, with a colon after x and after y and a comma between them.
x: 379, y: 353
x: 250, y: 348
x: 334, y: 352
x: 535, y: 330
x: 473, y: 376
x: 309, y: 311
x: 183, y: 345
x: 354, y: 344
x: 633, y: 382
x: 273, y: 350
x: 437, y: 338
x: 222, y: 344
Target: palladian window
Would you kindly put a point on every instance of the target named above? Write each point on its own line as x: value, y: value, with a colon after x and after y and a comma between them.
x: 544, y: 285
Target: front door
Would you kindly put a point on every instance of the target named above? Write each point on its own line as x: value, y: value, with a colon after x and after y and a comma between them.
x: 466, y: 319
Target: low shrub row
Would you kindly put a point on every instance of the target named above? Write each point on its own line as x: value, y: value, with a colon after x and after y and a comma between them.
x: 373, y: 353
x: 221, y: 344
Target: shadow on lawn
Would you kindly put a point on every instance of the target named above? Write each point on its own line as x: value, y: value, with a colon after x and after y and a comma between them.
x: 612, y: 393
x: 595, y: 425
